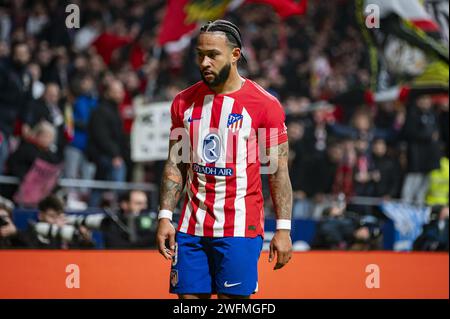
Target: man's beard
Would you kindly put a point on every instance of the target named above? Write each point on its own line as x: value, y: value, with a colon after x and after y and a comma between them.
x: 219, y: 78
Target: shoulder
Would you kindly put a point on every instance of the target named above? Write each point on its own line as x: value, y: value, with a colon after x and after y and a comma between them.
x: 259, y: 91
x: 189, y: 93
x: 266, y: 100
x: 185, y: 98
x: 269, y: 104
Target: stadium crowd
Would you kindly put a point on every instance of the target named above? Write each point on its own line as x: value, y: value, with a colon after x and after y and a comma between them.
x: 64, y: 94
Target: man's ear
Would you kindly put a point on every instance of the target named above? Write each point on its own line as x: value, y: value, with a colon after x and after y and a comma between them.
x: 236, y: 53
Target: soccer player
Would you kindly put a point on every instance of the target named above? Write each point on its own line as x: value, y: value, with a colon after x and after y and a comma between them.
x: 216, y: 247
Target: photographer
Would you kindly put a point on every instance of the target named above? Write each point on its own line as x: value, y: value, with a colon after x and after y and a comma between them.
x: 367, y: 235
x: 52, y: 232
x: 133, y: 227
x: 335, y: 230
x: 343, y: 230
x: 434, y: 235
x: 8, y: 230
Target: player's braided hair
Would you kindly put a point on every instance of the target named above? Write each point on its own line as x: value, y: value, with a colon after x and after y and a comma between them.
x: 231, y: 31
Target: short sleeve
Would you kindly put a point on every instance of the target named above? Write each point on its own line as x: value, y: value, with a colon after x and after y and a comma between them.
x: 177, y: 120
x: 276, y: 131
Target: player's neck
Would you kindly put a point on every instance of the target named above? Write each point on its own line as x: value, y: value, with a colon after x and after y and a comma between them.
x: 232, y: 84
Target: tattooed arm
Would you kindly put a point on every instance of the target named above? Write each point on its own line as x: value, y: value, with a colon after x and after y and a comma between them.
x: 280, y: 183
x: 281, y: 192
x: 172, y: 185
x: 173, y: 180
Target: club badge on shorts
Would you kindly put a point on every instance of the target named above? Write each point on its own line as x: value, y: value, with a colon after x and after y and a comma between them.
x: 174, y: 277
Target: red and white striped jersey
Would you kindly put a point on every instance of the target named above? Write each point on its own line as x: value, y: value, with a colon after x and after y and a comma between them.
x: 224, y: 193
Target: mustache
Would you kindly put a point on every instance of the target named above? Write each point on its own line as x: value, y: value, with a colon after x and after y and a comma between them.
x: 209, y: 71
x: 219, y: 77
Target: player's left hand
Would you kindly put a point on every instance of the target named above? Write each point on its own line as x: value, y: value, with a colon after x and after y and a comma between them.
x: 281, y: 246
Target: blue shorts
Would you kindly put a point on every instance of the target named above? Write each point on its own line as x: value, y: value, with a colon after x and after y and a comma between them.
x: 206, y: 265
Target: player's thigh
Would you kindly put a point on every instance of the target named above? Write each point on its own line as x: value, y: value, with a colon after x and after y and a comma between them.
x: 197, y: 296
x: 190, y: 272
x: 236, y: 265
x: 224, y: 296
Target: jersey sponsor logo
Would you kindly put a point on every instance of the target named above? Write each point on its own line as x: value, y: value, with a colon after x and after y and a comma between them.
x: 235, y: 121
x: 216, y: 171
x: 227, y: 285
x: 211, y: 148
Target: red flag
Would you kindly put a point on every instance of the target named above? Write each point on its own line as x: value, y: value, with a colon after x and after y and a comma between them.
x: 285, y: 8
x: 174, y: 25
x: 182, y: 16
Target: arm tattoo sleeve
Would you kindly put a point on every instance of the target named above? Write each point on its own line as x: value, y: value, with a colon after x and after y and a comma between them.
x: 172, y: 184
x: 280, y: 183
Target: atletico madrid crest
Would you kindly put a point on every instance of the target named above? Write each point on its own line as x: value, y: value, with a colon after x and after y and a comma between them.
x: 174, y: 277
x: 235, y: 121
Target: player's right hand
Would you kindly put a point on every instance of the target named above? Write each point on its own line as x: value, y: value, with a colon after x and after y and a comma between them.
x: 165, y: 231
x: 281, y: 247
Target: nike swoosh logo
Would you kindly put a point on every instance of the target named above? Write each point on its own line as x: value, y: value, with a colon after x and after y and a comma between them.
x: 190, y: 120
x: 227, y: 285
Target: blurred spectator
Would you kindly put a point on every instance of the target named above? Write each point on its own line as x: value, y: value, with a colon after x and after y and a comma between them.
x: 5, y: 24
x: 314, y: 157
x: 114, y: 37
x: 4, y: 50
x: 362, y: 128
x: 127, y: 113
x: 87, y: 34
x: 343, y: 181
x: 51, y: 231
x: 443, y: 103
x: 38, y: 87
x: 327, y: 175
x: 390, y: 115
x: 107, y: 142
x: 386, y: 172
x: 295, y: 131
x: 363, y: 185
x: 38, y: 145
x: 55, y: 31
x: 421, y: 131
x: 314, y: 165
x: 76, y: 163
x: 58, y: 70
x: 8, y: 230
x: 385, y: 115
x: 434, y: 235
x: 135, y: 227
x: 37, y: 19
x: 439, y: 184
x: 48, y: 109
x: 15, y: 94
